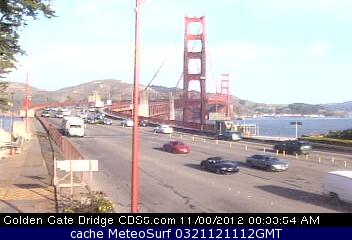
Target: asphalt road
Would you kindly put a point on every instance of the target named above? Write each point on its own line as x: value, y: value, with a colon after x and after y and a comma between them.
x: 176, y: 183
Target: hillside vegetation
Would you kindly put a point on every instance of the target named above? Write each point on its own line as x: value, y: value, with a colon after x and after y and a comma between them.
x: 118, y: 90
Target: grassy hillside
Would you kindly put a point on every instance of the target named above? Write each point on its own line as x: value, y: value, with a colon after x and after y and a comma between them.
x: 119, y: 90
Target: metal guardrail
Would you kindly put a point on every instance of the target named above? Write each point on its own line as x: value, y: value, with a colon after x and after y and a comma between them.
x: 68, y: 150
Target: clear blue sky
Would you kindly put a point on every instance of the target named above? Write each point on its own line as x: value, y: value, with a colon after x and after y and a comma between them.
x: 276, y: 51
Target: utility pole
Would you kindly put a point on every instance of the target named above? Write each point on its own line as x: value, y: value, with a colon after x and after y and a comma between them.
x: 135, y: 138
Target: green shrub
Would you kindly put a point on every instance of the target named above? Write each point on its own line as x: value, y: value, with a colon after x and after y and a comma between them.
x: 94, y: 202
x: 327, y: 140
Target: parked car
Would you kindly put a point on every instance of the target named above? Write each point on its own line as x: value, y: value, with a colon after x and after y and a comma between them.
x: 267, y: 162
x: 294, y: 147
x: 232, y: 136
x: 127, y: 123
x: 176, y: 147
x: 163, y: 128
x: 338, y: 184
x: 45, y: 113
x: 220, y: 165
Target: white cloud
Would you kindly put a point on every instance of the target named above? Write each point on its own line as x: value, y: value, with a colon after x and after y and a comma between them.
x: 318, y: 50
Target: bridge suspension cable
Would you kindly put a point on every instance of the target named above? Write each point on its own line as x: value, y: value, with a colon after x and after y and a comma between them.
x: 163, y: 62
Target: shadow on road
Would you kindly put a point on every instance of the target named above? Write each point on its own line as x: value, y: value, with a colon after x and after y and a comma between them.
x: 159, y: 149
x: 308, y: 197
x: 194, y: 166
x: 245, y: 165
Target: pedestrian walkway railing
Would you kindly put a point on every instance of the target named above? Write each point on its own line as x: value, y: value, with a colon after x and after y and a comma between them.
x: 68, y: 150
x: 62, y: 179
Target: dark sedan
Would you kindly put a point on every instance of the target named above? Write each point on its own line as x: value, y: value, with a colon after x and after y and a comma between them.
x: 219, y: 165
x: 294, y: 147
x: 176, y: 147
x: 267, y: 162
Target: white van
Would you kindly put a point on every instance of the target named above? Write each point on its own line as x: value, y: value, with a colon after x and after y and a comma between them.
x: 73, y: 126
x: 163, y: 128
x: 339, y: 184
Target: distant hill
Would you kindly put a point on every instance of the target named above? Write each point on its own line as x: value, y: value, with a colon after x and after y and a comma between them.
x: 118, y: 90
x: 345, y: 106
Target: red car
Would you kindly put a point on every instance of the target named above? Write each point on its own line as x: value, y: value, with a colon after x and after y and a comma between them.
x: 176, y: 147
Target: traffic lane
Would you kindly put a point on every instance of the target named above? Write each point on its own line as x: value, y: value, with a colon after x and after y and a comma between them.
x: 162, y: 136
x: 303, y: 175
x: 339, y: 160
x: 320, y: 157
x: 296, y: 169
x: 289, y: 180
x: 119, y: 167
x: 306, y: 180
x: 316, y: 198
x: 226, y: 148
x: 157, y: 195
x: 269, y: 147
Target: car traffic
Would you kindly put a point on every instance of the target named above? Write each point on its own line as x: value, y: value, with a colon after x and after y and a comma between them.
x: 267, y: 162
x: 45, y: 113
x: 176, y: 147
x: 219, y: 165
x: 231, y: 136
x: 294, y: 147
x: 127, y: 123
x: 164, y: 128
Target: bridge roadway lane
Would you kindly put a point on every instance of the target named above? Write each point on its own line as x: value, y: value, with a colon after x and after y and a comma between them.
x: 175, y: 183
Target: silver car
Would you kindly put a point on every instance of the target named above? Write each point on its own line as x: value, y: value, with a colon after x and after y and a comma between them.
x: 267, y: 162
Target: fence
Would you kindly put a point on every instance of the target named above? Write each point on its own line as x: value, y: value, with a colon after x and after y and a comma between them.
x: 68, y: 150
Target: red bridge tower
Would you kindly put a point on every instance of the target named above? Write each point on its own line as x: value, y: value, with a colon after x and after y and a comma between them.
x: 225, y: 91
x: 194, y: 58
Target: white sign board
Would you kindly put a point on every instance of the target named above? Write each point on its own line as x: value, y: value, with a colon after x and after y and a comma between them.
x: 77, y: 165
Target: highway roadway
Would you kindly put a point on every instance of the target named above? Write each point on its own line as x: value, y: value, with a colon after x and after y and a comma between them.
x: 176, y: 183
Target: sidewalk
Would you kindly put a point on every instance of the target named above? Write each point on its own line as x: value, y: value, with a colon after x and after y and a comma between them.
x: 25, y: 185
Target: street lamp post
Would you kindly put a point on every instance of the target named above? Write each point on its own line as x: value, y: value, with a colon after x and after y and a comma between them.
x: 296, y: 123
x: 135, y: 137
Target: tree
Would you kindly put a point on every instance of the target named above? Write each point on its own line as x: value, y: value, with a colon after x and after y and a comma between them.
x: 3, y: 96
x: 13, y: 16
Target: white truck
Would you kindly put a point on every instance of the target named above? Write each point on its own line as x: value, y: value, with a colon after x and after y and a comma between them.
x: 73, y: 126
x: 338, y: 184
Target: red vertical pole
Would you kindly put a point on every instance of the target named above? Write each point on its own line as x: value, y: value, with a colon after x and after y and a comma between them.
x: 135, y: 138
x: 225, y: 90
x: 26, y: 103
